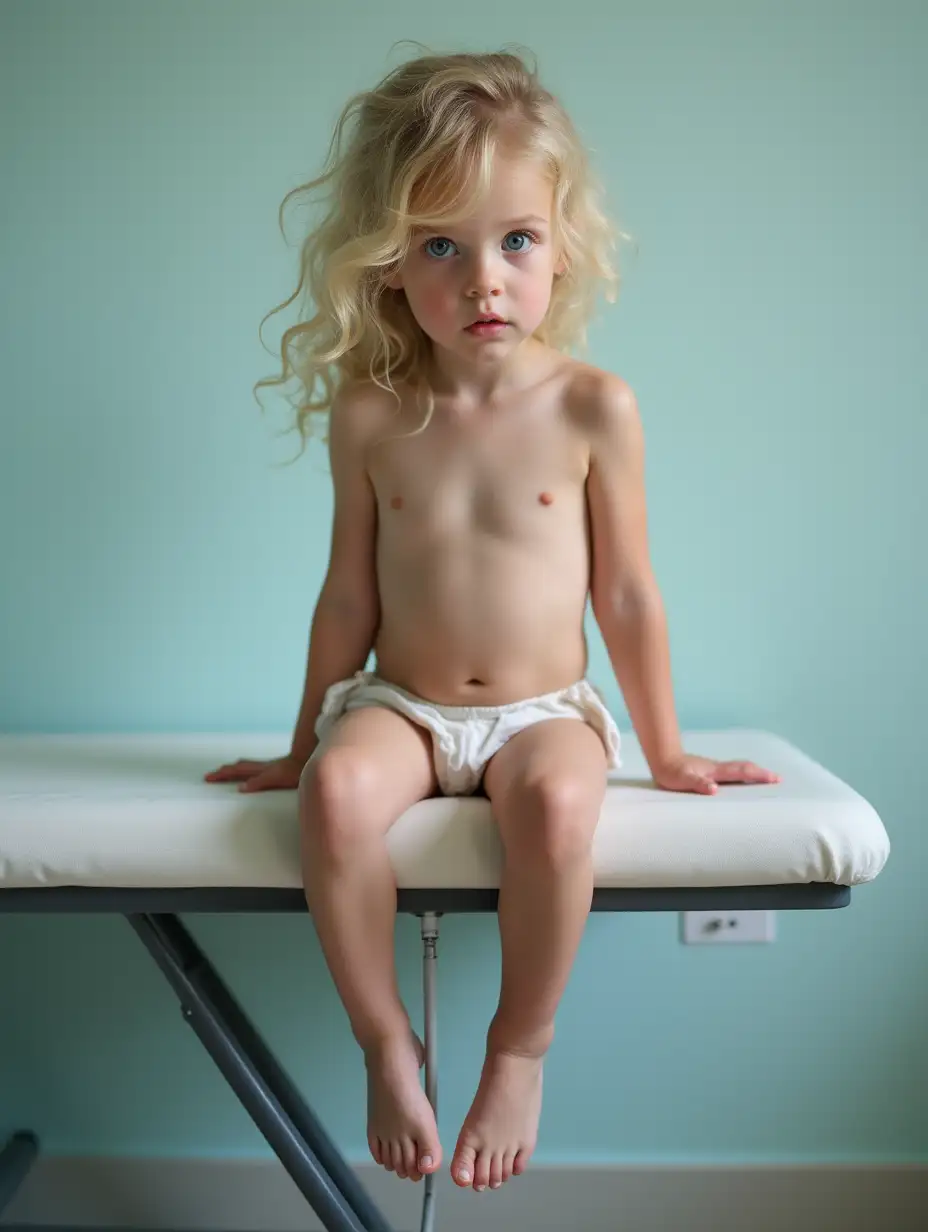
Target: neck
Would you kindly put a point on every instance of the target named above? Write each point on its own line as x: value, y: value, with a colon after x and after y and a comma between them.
x: 452, y: 376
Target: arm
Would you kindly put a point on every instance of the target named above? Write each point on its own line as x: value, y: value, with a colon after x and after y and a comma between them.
x: 347, y: 612
x: 625, y: 597
x: 626, y: 600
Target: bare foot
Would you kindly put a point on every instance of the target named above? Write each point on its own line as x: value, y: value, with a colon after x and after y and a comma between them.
x: 500, y: 1131
x: 401, y: 1129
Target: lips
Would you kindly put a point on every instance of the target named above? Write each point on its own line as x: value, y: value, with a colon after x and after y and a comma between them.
x: 487, y: 327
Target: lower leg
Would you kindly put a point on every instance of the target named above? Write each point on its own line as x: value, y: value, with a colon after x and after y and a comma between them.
x: 543, y: 910
x: 351, y: 894
x: 546, y: 788
x: 542, y: 914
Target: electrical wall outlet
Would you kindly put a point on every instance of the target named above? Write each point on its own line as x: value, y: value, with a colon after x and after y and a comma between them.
x: 728, y: 927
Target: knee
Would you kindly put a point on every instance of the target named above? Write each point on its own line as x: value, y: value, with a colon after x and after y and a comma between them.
x: 552, y: 821
x: 337, y: 800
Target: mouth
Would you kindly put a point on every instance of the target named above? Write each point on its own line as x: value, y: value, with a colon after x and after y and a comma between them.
x: 487, y: 324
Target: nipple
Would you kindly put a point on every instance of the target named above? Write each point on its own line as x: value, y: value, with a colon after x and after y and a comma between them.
x: 546, y: 498
x: 396, y: 502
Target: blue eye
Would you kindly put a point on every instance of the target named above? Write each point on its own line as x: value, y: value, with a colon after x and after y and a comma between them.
x: 442, y: 243
x: 527, y: 241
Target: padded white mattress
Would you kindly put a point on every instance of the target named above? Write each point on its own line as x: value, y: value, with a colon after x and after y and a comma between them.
x: 133, y: 810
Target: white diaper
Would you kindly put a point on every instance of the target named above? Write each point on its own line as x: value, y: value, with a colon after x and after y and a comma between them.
x: 466, y: 737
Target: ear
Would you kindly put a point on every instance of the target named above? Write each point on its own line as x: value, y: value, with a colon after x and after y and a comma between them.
x: 395, y: 280
x: 560, y: 268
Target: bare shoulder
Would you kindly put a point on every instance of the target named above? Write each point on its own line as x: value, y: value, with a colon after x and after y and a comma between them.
x: 599, y: 401
x: 603, y: 408
x: 361, y: 412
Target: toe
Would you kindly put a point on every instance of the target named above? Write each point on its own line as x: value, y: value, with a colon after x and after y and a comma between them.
x: 496, y: 1171
x: 519, y: 1163
x: 428, y: 1149
x: 482, y: 1170
x: 507, y: 1165
x: 376, y: 1155
x: 396, y: 1155
x: 462, y: 1166
x: 410, y: 1166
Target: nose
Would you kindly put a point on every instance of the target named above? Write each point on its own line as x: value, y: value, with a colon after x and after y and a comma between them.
x: 483, y: 276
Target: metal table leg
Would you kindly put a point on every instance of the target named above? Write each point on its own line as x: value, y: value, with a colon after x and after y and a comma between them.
x: 16, y: 1158
x: 295, y: 1135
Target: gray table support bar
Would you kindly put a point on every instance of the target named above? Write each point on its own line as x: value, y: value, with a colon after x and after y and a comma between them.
x: 310, y: 1157
x: 181, y: 900
x: 16, y: 1158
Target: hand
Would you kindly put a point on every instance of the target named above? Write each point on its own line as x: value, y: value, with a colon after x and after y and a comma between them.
x: 281, y: 774
x: 703, y: 775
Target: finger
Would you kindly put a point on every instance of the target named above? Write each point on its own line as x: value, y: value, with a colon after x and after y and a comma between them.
x: 235, y: 769
x: 706, y: 786
x: 266, y: 779
x: 250, y: 770
x: 744, y: 772
x: 693, y: 781
x: 765, y: 776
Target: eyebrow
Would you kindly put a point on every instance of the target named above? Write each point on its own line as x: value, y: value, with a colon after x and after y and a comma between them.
x: 529, y: 220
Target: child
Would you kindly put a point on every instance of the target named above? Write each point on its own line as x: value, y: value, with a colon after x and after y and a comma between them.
x: 485, y: 485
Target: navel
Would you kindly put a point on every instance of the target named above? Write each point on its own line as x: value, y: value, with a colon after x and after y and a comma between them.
x: 396, y: 502
x: 546, y: 498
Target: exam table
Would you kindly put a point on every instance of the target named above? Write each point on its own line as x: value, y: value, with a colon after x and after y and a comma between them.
x: 125, y: 824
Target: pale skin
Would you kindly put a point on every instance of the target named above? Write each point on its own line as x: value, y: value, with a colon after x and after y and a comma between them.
x: 464, y: 556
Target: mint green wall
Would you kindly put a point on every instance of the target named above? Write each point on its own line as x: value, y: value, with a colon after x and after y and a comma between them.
x: 159, y: 572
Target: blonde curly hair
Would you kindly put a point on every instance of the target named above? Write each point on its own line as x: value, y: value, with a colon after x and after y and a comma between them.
x: 416, y: 151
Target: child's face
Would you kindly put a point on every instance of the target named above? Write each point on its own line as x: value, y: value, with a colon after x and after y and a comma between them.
x: 500, y: 263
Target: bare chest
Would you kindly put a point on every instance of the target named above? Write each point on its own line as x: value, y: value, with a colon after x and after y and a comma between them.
x: 465, y: 478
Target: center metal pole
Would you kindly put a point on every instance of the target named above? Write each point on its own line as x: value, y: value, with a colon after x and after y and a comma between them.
x: 429, y: 928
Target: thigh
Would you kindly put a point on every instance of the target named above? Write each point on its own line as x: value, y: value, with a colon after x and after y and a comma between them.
x: 372, y: 765
x: 552, y: 773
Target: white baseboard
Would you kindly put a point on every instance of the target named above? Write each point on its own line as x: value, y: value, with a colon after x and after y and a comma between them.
x: 202, y: 1195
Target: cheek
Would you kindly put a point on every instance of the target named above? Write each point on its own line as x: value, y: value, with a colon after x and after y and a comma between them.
x: 432, y: 299
x: 535, y: 292
x: 438, y: 300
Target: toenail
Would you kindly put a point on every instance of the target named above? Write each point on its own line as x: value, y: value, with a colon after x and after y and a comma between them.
x: 426, y: 1161
x: 495, y: 1184
x: 480, y: 1188
x: 463, y: 1175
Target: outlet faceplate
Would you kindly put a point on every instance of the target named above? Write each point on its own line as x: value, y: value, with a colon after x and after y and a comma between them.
x: 728, y: 927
